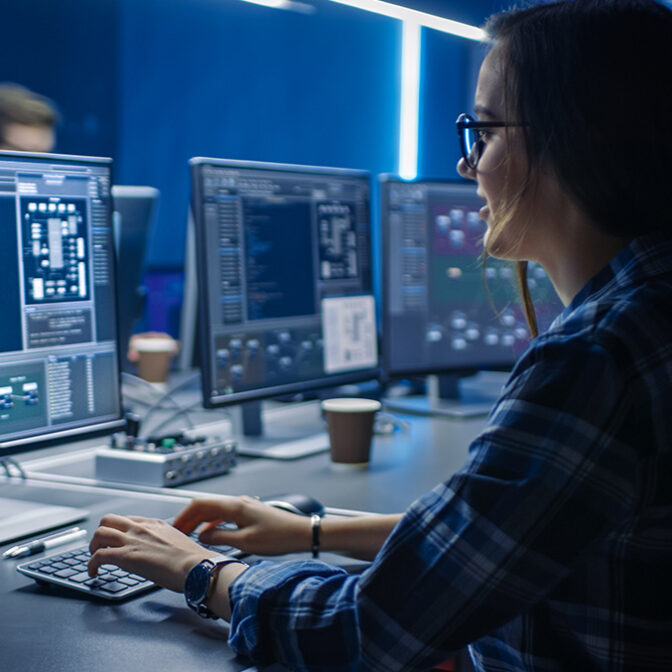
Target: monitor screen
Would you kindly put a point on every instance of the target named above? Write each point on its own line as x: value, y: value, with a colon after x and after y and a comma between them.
x: 134, y: 212
x: 59, y: 370
x: 437, y: 315
x: 284, y: 275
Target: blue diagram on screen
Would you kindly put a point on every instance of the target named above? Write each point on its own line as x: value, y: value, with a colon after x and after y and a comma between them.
x: 55, y: 250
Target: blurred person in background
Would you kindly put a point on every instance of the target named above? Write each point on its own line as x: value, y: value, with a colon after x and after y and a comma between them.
x: 27, y: 120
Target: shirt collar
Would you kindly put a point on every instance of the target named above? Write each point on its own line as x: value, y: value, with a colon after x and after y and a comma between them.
x: 644, y: 257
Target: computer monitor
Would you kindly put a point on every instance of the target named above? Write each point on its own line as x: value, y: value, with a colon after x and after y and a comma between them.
x: 285, y: 283
x: 437, y: 317
x: 59, y: 361
x: 134, y: 212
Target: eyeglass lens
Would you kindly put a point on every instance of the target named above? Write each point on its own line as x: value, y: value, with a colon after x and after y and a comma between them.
x: 472, y: 146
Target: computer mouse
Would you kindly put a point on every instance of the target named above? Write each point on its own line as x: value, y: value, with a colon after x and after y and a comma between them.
x: 303, y: 505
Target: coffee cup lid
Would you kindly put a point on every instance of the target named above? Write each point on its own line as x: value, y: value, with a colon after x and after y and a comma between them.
x: 351, y: 405
x: 154, y: 344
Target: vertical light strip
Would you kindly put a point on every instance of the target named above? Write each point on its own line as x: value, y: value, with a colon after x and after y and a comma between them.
x: 410, y: 99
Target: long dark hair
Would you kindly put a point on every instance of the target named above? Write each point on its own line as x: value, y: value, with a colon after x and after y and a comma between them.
x: 590, y: 80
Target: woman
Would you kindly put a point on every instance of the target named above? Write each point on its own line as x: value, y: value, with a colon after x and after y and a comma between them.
x: 551, y: 548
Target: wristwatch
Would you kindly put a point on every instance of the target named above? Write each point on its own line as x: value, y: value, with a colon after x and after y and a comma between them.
x: 199, y: 582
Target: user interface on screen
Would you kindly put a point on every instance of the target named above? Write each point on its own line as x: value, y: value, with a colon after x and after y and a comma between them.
x: 284, y: 268
x: 437, y: 314
x: 59, y: 372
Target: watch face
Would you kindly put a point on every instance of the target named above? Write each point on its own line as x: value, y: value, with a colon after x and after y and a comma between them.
x: 197, y: 584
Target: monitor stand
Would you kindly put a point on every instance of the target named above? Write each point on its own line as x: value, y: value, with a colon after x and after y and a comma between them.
x: 296, y: 431
x: 453, y: 396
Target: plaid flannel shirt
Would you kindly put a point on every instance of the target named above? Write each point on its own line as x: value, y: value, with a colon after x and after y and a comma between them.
x: 551, y: 549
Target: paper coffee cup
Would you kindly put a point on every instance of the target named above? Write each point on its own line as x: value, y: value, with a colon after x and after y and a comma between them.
x: 350, y: 427
x: 154, y: 357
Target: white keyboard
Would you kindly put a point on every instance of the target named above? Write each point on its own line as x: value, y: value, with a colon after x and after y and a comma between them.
x: 287, y: 450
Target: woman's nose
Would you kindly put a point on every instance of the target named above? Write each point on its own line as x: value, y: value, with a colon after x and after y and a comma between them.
x: 463, y: 170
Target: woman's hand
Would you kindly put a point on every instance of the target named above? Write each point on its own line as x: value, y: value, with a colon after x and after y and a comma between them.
x: 146, y: 546
x: 165, y: 554
x: 262, y: 529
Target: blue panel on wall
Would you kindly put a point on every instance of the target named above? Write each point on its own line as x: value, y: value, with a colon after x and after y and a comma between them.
x: 235, y: 80
x: 67, y: 50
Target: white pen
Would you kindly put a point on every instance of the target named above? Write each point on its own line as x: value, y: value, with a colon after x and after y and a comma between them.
x: 44, y: 544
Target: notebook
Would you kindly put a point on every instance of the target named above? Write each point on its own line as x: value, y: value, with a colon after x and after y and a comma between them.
x: 23, y: 518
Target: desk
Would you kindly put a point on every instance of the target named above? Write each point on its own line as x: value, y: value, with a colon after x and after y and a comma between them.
x: 44, y: 631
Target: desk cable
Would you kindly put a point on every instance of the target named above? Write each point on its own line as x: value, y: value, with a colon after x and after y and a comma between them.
x: 165, y: 396
x: 195, y: 406
x: 8, y: 462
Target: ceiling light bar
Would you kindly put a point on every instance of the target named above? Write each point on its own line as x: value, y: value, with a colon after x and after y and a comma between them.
x: 285, y: 4
x: 415, y: 16
x: 276, y: 4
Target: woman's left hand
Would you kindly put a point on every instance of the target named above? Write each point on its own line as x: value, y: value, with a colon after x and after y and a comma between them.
x: 146, y: 546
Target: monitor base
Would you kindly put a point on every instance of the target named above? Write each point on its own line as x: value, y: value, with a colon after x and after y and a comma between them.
x: 449, y: 408
x: 286, y: 433
x: 281, y: 448
x: 452, y: 396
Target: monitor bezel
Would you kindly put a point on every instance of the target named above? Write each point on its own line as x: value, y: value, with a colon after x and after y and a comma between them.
x: 27, y: 443
x: 328, y: 380
x: 389, y: 372
x: 120, y: 193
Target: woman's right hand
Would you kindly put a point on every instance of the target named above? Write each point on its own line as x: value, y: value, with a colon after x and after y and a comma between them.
x: 262, y: 529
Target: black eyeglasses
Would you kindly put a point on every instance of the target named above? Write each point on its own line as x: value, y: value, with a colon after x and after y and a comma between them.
x: 471, y: 134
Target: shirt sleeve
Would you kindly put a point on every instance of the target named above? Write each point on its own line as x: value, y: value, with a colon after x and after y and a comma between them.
x: 548, y: 477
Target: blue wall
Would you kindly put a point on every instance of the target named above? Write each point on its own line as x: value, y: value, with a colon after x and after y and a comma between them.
x: 235, y: 80
x: 67, y: 50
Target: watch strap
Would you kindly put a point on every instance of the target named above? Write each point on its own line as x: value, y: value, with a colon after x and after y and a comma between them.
x: 211, y: 565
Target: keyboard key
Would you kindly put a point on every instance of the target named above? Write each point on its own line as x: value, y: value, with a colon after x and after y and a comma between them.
x: 106, y: 576
x: 128, y: 581
x: 82, y: 577
x: 48, y: 569
x: 113, y: 587
x: 65, y: 573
